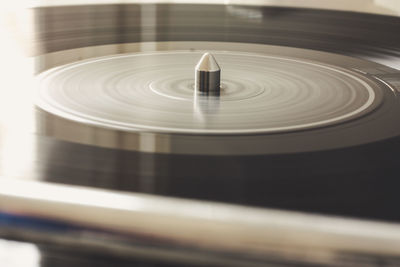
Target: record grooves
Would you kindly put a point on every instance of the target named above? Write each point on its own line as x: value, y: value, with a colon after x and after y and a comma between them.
x: 287, y: 169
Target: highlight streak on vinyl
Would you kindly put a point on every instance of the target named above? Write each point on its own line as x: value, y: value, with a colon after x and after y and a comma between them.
x: 154, y: 92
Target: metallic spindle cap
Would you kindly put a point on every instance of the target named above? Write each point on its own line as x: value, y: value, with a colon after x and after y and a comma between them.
x: 207, y: 75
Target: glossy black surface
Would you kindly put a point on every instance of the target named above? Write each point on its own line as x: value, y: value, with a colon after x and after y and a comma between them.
x: 355, y: 34
x: 357, y: 182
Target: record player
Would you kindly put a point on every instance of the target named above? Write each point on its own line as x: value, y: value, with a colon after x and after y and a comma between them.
x: 165, y: 133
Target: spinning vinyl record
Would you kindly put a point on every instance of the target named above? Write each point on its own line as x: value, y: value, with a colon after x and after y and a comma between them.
x: 306, y: 116
x: 269, y: 103
x: 265, y: 106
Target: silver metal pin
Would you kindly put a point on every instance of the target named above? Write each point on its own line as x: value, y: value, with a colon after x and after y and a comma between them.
x: 207, y: 75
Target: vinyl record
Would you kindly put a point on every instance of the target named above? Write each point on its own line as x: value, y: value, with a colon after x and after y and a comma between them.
x: 307, y: 118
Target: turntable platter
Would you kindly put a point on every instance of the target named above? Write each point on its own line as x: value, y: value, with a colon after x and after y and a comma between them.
x: 260, y: 93
x: 273, y: 100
